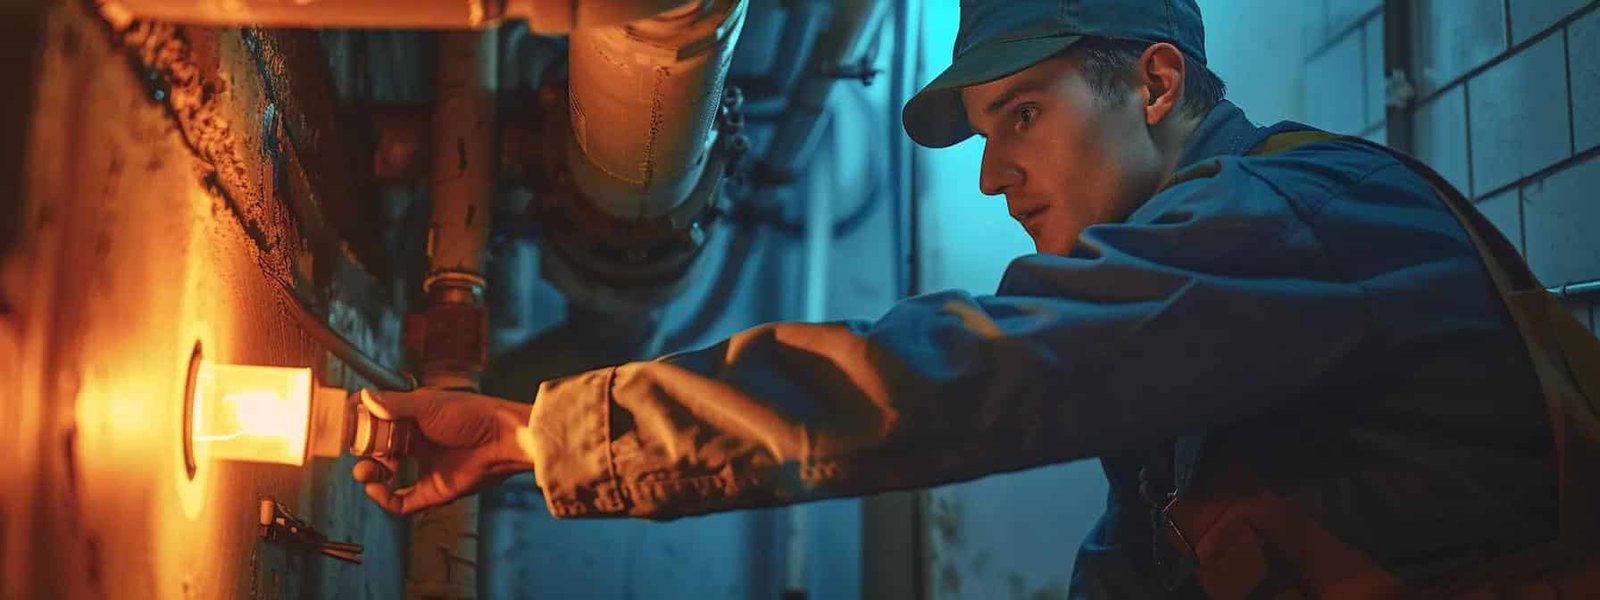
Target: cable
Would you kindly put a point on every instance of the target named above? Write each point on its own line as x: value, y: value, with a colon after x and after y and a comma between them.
x: 367, y: 367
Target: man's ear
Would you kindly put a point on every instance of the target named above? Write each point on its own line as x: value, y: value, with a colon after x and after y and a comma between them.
x: 1161, y: 78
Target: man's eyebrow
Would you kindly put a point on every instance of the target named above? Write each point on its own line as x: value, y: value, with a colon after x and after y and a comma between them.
x: 1008, y: 96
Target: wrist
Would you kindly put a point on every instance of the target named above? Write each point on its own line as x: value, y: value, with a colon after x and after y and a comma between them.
x: 517, y: 416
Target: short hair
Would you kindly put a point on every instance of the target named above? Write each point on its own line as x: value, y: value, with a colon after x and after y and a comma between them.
x: 1108, y: 65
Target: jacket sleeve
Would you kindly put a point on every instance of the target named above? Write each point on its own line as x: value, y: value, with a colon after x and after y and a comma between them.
x: 1213, y: 303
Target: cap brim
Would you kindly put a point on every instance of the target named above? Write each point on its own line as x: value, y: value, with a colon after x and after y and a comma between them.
x: 934, y: 116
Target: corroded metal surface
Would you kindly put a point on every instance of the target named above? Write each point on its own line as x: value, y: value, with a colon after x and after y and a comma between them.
x: 157, y: 214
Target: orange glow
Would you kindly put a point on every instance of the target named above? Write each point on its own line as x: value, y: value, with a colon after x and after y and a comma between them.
x: 252, y: 413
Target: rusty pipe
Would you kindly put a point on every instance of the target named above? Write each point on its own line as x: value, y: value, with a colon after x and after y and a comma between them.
x: 543, y: 16
x: 452, y: 331
x: 642, y: 100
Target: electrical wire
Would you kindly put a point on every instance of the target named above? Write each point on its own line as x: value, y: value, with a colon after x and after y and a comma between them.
x: 364, y: 365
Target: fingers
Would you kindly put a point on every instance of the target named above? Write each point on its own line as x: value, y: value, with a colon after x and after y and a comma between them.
x: 393, y: 406
x: 374, y: 470
x: 426, y: 494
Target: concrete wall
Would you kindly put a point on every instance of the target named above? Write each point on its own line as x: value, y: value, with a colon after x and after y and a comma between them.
x: 158, y: 210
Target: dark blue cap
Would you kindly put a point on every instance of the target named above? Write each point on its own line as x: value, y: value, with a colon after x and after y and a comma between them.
x: 1000, y: 37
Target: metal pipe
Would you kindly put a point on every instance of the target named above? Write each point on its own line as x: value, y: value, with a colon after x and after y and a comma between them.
x: 1576, y: 289
x: 465, y: 154
x: 1397, y: 40
x: 643, y: 97
x: 543, y: 16
x: 453, y: 328
x: 844, y: 50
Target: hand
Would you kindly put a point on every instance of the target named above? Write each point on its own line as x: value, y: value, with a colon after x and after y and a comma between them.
x: 464, y: 442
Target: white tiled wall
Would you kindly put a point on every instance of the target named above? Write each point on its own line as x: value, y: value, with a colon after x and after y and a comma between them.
x: 1510, y: 112
x: 1520, y: 122
x: 1344, y: 79
x: 1583, y: 69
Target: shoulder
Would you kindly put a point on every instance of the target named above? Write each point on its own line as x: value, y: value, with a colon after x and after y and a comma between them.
x: 1313, y: 175
x: 1303, y: 180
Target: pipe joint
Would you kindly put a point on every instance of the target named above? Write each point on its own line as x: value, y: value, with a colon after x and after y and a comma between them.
x: 625, y: 265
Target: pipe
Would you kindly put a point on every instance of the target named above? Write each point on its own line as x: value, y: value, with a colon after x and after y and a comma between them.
x: 364, y: 365
x: 452, y: 331
x: 1397, y: 44
x: 767, y: 96
x: 1576, y: 289
x: 465, y: 153
x: 543, y: 16
x: 642, y: 100
x: 844, y: 50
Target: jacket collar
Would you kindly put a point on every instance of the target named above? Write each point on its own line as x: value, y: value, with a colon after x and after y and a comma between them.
x: 1225, y: 131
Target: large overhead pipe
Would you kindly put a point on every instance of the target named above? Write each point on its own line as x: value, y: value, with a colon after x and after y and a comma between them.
x: 543, y: 16
x: 642, y: 98
x: 651, y: 133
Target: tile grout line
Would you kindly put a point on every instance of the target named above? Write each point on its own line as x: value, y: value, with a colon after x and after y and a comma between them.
x: 1466, y: 125
x: 1505, y: 7
x: 1572, y: 115
x: 1335, y: 38
x: 1547, y: 171
x: 1511, y: 51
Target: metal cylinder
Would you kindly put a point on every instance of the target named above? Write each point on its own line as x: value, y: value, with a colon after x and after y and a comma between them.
x: 847, y: 45
x: 465, y: 154
x: 444, y: 547
x: 544, y: 16
x: 642, y: 100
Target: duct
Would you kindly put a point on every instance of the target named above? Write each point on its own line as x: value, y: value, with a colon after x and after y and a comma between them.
x: 543, y: 16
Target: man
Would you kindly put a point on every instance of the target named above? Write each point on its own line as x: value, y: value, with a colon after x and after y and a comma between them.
x: 1312, y: 327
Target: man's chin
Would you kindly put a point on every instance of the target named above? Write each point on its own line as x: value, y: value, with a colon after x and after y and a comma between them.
x: 1052, y: 246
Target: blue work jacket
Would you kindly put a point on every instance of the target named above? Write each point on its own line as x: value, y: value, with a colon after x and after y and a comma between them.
x: 1317, y: 314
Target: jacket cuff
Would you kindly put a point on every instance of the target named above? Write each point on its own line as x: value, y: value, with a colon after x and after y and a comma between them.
x: 571, y: 424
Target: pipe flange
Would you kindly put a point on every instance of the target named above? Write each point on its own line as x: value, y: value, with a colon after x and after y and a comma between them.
x: 625, y: 265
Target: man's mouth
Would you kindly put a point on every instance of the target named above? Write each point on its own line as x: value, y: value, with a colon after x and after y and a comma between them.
x: 1029, y: 219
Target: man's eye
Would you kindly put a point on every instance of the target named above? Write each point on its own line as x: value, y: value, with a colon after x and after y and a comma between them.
x: 1027, y: 114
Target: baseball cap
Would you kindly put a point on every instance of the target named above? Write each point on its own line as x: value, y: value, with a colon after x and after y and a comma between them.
x: 999, y: 37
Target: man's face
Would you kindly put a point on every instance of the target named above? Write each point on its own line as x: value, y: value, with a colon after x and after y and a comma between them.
x: 1064, y: 157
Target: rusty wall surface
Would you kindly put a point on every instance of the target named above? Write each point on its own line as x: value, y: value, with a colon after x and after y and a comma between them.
x: 159, y: 209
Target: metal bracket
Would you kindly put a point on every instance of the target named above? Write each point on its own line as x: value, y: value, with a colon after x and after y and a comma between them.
x: 277, y: 524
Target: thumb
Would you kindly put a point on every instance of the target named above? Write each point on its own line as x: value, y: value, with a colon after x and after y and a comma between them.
x: 431, y: 491
x: 394, y: 406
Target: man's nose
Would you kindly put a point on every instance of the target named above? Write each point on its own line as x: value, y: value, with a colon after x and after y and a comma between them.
x: 997, y: 173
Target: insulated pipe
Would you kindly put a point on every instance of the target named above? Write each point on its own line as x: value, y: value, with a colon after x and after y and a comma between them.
x: 847, y: 44
x: 464, y: 157
x: 452, y: 331
x: 543, y: 16
x: 642, y: 100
